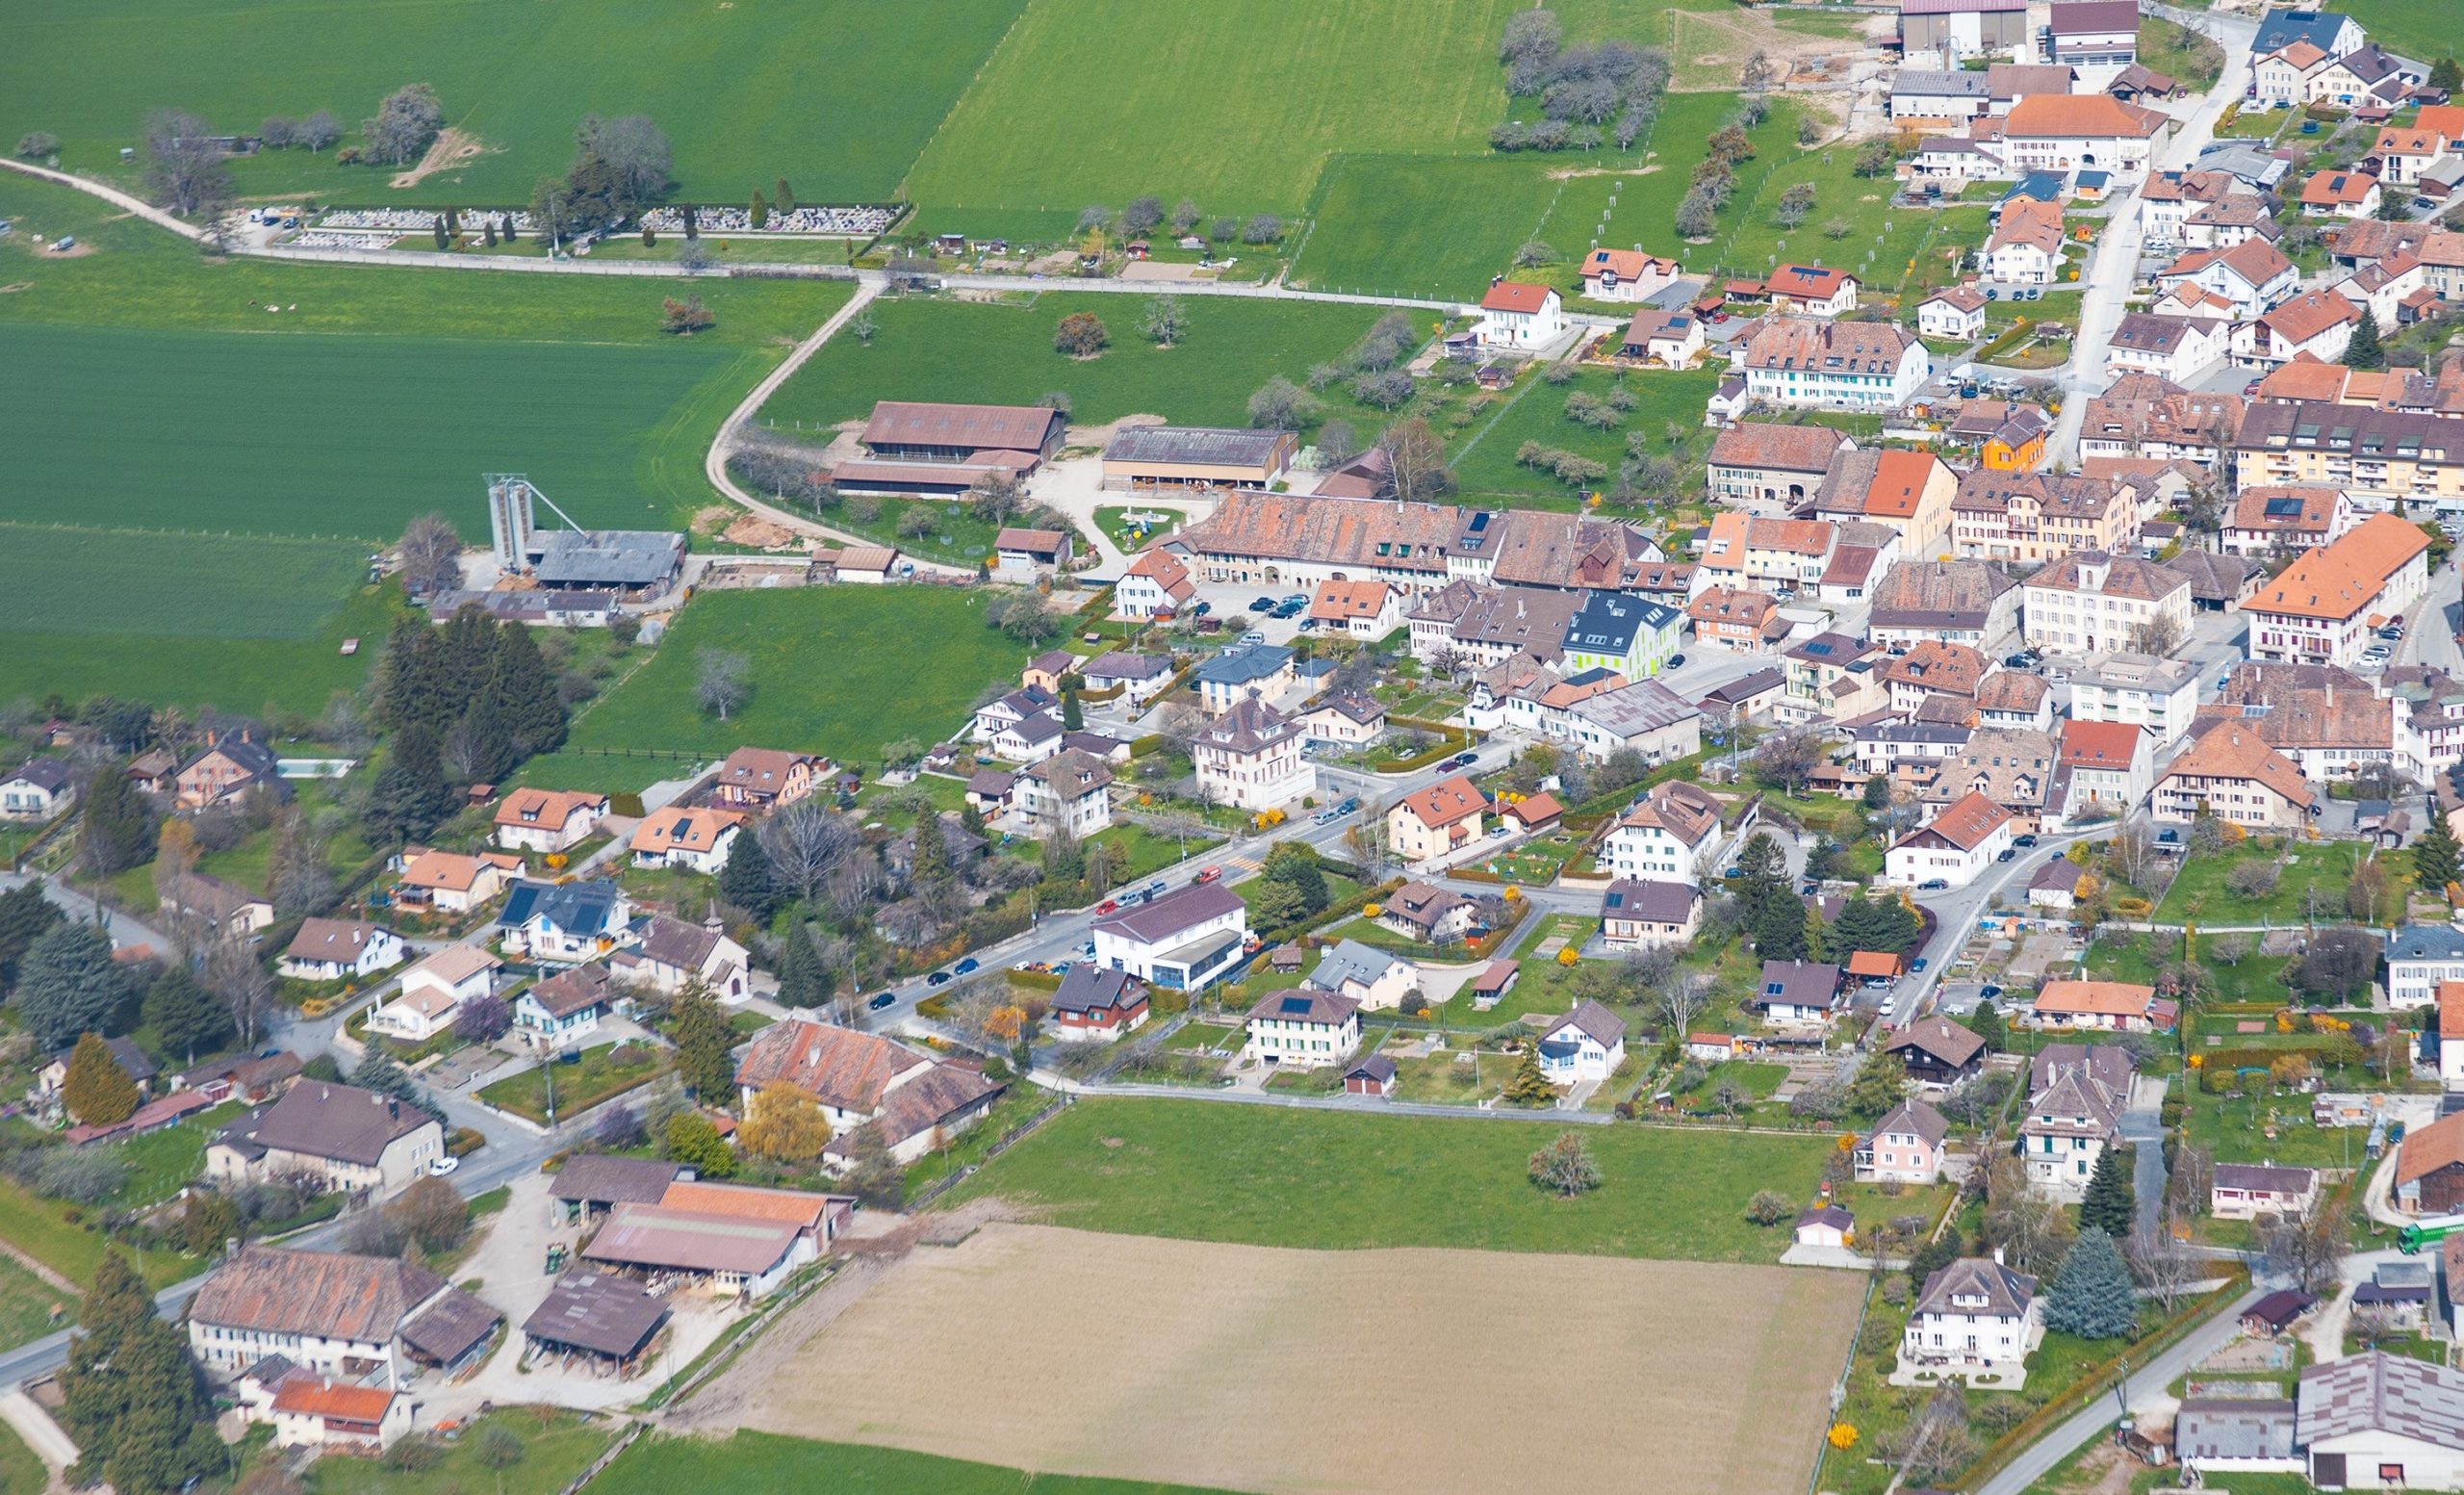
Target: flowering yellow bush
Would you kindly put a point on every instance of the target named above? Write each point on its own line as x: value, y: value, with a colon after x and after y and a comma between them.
x: 1567, y: 956
x: 1370, y: 910
x: 1843, y: 1437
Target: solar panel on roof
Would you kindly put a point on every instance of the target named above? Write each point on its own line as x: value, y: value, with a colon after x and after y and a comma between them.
x: 1295, y: 1004
x: 2283, y: 508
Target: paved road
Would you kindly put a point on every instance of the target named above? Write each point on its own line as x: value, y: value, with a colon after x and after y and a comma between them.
x: 123, y: 928
x: 2115, y: 266
x: 2089, y: 1425
x: 1960, y: 909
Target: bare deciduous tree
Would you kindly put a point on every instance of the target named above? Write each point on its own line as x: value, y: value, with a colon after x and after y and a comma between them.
x: 805, y: 841
x: 431, y: 556
x: 722, y: 681
x: 246, y: 988
x: 405, y: 125
x: 183, y: 166
x: 2163, y: 1262
x: 2310, y: 1249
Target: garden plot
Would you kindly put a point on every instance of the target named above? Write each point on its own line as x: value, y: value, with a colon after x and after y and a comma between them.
x: 1363, y: 1362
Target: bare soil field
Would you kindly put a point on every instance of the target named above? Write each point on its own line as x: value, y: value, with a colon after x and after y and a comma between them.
x: 1401, y: 1371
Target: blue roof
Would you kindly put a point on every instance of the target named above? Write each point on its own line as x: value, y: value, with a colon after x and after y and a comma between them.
x: 1609, y: 622
x: 2039, y: 186
x: 2094, y: 179
x: 2426, y: 943
x: 578, y: 907
x: 1242, y: 665
x: 2280, y: 29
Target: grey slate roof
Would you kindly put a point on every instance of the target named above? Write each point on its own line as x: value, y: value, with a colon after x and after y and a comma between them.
x: 1649, y: 901
x: 1594, y: 1022
x: 1916, y: 1118
x: 1208, y: 445
x: 1240, y: 666
x: 1090, y: 989
x: 606, y: 557
x: 2378, y: 1392
x: 1609, y: 622
x: 580, y: 907
x: 1149, y: 923
x: 2426, y: 943
x: 1349, y: 959
x: 2005, y: 1294
x: 1935, y: 83
x: 595, y: 1178
x: 319, y: 1118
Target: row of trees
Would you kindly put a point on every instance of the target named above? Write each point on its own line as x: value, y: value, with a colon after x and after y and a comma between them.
x: 1145, y: 214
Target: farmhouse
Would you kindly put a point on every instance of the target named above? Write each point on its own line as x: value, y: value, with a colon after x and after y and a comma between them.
x: 1947, y: 602
x: 1770, y: 462
x: 1302, y: 1029
x: 941, y: 451
x: 350, y: 1140
x: 2064, y: 132
x: 1808, y: 362
x: 1155, y: 583
x: 339, y: 949
x: 1184, y: 941
x: 546, y: 820
x: 1197, y: 457
x: 328, y: 1313
x: 863, y: 1079
x: 2231, y: 773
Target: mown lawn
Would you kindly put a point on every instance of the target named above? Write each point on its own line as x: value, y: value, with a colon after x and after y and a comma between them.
x: 22, y: 1473
x: 833, y: 670
x: 39, y: 1228
x: 556, y: 1447
x: 2199, y: 895
x: 579, y: 1087
x: 1423, y: 225
x: 1260, y: 1177
x: 1090, y: 101
x: 974, y: 352
x: 26, y: 1301
x: 735, y: 88
x: 762, y: 1463
x: 1485, y: 460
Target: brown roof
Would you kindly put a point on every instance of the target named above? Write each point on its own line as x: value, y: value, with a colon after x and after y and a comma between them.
x: 1966, y: 822
x: 2308, y: 315
x: 2011, y: 690
x: 682, y: 828
x: 2087, y: 744
x: 570, y: 992
x: 763, y: 770
x: 2425, y: 1150
x: 1538, y: 548
x: 331, y: 940
x: 2080, y: 116
x: 2300, y: 510
x: 1681, y: 809
x: 600, y: 1179
x: 276, y: 1290
x: 1795, y: 449
x: 320, y: 1118
x: 1344, y: 531
x: 1034, y: 542
x: 655, y: 1236
x: 1952, y: 669
x: 2339, y: 580
x: 545, y: 807
x: 985, y: 427
x: 1515, y: 295
x: 1808, y: 343
x: 2232, y: 751
x: 840, y: 1066
x: 1940, y: 1037
x: 1939, y: 593
x: 2122, y: 576
x: 1445, y: 802
x: 596, y: 1311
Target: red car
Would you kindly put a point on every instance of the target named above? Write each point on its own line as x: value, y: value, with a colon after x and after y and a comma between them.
x: 1210, y: 874
x: 1109, y: 906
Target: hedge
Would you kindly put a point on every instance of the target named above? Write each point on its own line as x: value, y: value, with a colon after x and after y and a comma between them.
x: 1035, y: 980
x: 1451, y: 741
x: 2093, y: 1381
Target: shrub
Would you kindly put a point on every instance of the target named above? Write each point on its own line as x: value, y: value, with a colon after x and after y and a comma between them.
x: 1768, y: 1207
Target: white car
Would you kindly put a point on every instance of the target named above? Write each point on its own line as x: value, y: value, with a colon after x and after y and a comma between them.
x: 443, y: 1165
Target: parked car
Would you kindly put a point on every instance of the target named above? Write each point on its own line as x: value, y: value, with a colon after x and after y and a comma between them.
x: 1348, y: 806
x: 966, y: 968
x: 2023, y: 841
x: 1933, y: 884
x: 443, y: 1165
x: 1296, y: 600
x: 1262, y: 605
x: 1201, y: 610
x: 1988, y: 994
x: 1917, y: 966
x: 939, y: 978
x: 2009, y: 854
x: 1087, y: 949
x: 1109, y: 906
x: 883, y: 1000
x: 1676, y: 662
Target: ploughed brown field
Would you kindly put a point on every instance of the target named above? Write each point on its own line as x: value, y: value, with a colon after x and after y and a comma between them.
x: 1255, y: 1368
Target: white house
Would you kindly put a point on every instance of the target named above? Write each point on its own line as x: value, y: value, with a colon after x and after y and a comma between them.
x: 338, y: 949
x: 1974, y: 1315
x: 567, y: 1006
x: 2252, y: 274
x: 2160, y: 695
x: 1641, y: 915
x: 1798, y: 991
x: 1586, y: 1043
x: 2179, y: 348
x: 1626, y: 275
x: 912, y: 1101
x: 1359, y: 609
x: 1666, y: 838
x: 433, y: 992
x: 1370, y: 977
x: 316, y: 1309
x: 2111, y: 767
x: 675, y: 954
x: 2420, y: 957
x: 36, y: 790
x: 2316, y: 322
x: 1954, y: 312
x: 1904, y: 1146
x: 2076, y: 1095
x: 1963, y: 839
x: 1070, y: 790
x: 1155, y: 582
x: 2246, y: 1191
x: 565, y: 923
x: 1183, y: 940
x: 2024, y: 249
x: 1808, y: 362
x: 697, y: 839
x: 1518, y: 315
x: 349, y: 1139
x: 1302, y: 1029
x: 1812, y: 291
x: 2087, y: 132
x: 546, y: 820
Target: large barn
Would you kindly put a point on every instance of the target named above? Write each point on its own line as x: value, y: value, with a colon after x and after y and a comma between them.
x: 926, y: 449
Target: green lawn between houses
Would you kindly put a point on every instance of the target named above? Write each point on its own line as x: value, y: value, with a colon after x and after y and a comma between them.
x: 597, y: 1077
x: 1321, y: 1180
x: 834, y: 671
x: 762, y: 1463
x: 556, y: 1447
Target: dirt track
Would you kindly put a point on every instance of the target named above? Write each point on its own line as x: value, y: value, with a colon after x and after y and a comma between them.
x: 1402, y: 1371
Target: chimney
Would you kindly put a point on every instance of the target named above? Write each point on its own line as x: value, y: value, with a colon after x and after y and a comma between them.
x: 1495, y: 280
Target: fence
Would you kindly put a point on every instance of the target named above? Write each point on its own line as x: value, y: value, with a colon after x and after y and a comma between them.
x: 599, y: 1465
x: 1008, y: 1139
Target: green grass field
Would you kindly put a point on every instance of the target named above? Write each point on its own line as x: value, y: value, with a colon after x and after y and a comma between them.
x: 579, y: 1087
x: 1422, y: 225
x: 937, y: 350
x: 838, y: 96
x: 1093, y: 100
x: 833, y: 670
x: 1323, y: 1180
x: 2411, y: 28
x: 556, y: 1448
x: 762, y: 1463
x: 79, y: 581
x: 22, y: 1473
x: 39, y: 1228
x: 1484, y: 459
x: 2199, y: 895
x: 26, y: 1301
